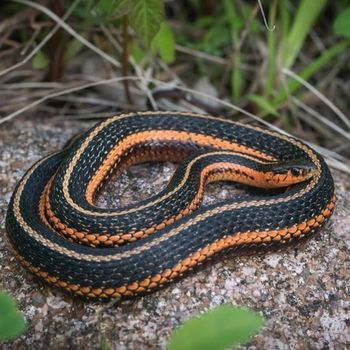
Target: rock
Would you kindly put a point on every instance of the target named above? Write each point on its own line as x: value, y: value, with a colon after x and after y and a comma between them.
x: 302, y: 293
x: 205, y: 86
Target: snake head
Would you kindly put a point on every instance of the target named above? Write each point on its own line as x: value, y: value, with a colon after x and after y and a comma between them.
x: 295, y: 170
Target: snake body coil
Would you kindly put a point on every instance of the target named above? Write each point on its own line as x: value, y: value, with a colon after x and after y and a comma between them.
x: 112, y: 253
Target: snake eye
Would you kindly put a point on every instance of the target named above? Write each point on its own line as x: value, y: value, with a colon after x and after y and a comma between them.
x: 297, y: 171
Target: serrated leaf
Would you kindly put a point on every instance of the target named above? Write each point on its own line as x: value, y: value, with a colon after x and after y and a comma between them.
x: 217, y: 329
x: 342, y: 23
x: 164, y: 43
x: 146, y: 17
x: 12, y: 323
x: 40, y: 61
x: 263, y: 104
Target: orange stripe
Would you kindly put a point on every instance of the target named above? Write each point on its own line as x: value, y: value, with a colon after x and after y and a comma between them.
x: 168, y: 275
x: 162, y: 135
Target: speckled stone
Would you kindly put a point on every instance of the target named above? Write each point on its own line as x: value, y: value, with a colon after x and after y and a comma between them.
x: 303, y: 293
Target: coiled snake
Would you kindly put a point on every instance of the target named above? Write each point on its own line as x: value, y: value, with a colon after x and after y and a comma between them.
x: 57, y: 232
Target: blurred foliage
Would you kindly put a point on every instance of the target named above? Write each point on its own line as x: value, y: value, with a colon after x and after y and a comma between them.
x: 235, y: 29
x: 145, y: 16
x: 12, y: 323
x: 164, y: 43
x: 230, y: 30
x: 40, y: 61
x: 342, y: 23
x: 218, y: 329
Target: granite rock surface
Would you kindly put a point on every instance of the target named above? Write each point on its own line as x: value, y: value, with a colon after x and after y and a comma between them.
x: 303, y: 293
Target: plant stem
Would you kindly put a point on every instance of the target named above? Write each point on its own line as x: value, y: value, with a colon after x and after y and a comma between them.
x: 125, y: 58
x: 57, y: 46
x: 271, y: 67
x: 236, y: 74
x: 284, y: 18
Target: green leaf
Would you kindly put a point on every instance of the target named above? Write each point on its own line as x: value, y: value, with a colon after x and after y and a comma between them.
x: 89, y: 4
x: 263, y: 104
x: 40, y: 61
x: 307, y: 13
x: 342, y: 23
x: 137, y: 53
x: 214, y: 39
x: 106, y: 5
x: 12, y: 323
x: 235, y: 21
x: 164, y: 43
x: 73, y: 48
x: 146, y: 17
x: 217, y: 329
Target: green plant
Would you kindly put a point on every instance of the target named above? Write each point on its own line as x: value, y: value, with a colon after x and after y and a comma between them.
x: 342, y: 23
x: 12, y: 323
x: 145, y: 17
x: 231, y: 30
x: 238, y: 25
x: 235, y: 24
x: 221, y: 328
x: 284, y: 46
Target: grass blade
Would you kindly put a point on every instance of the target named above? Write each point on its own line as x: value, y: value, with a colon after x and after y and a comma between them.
x: 307, y: 14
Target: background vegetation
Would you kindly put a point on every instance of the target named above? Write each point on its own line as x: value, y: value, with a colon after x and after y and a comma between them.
x: 289, y: 68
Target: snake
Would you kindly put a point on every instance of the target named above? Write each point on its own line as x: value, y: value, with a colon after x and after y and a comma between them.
x: 57, y: 231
